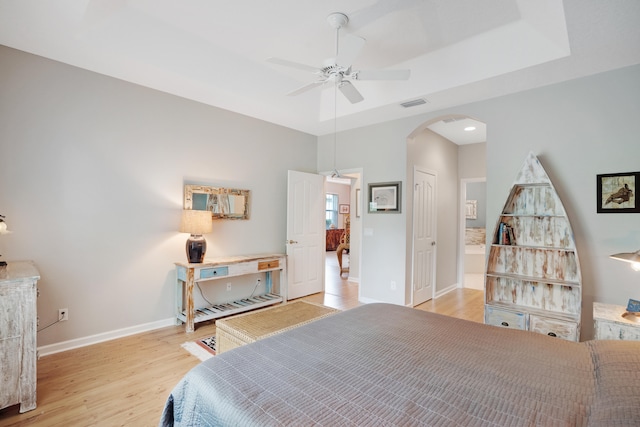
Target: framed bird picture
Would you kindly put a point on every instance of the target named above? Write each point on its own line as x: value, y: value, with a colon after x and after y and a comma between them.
x: 617, y: 192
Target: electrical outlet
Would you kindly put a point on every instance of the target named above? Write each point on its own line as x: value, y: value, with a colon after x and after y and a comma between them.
x: 229, y: 286
x: 63, y: 314
x: 393, y: 285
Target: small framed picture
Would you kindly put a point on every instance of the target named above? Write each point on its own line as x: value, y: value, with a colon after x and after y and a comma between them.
x: 617, y: 192
x: 384, y: 197
x: 344, y: 209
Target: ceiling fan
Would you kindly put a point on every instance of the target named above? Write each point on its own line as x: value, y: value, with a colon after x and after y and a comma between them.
x: 338, y: 70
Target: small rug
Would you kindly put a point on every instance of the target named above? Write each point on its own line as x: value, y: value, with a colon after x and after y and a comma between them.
x: 202, y: 349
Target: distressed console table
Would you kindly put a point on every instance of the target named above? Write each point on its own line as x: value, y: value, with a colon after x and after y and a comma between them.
x: 211, y: 269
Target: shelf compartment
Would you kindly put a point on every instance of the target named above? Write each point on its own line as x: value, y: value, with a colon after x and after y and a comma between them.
x: 543, y: 264
x: 533, y: 279
x: 217, y: 311
x: 539, y: 231
x: 528, y: 295
x: 534, y: 200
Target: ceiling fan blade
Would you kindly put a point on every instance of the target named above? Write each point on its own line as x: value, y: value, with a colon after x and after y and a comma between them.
x: 292, y: 64
x: 349, y: 50
x: 350, y: 92
x: 381, y: 74
x: 305, y: 88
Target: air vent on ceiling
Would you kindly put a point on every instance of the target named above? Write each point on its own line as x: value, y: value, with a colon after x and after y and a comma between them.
x: 413, y: 103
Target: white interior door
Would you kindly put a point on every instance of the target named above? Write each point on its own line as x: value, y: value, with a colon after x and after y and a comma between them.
x: 424, y: 241
x: 305, y: 234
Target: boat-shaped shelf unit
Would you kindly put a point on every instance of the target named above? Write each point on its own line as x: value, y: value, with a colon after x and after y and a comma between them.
x: 533, y: 280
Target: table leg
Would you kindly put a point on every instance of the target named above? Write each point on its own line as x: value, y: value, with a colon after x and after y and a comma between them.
x: 189, y: 309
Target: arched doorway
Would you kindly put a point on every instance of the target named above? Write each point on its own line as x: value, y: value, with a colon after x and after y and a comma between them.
x: 442, y: 146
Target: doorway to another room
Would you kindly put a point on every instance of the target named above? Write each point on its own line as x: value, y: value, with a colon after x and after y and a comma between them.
x: 473, y: 224
x: 342, y: 216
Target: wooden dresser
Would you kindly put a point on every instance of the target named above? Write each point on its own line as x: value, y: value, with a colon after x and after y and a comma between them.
x: 18, y: 321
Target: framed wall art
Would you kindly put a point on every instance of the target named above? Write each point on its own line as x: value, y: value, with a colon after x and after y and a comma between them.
x: 384, y: 197
x: 344, y: 209
x: 616, y: 192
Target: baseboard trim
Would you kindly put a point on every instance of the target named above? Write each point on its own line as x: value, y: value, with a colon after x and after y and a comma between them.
x: 47, y: 350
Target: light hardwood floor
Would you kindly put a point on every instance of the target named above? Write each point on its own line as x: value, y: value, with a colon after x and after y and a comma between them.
x: 125, y: 382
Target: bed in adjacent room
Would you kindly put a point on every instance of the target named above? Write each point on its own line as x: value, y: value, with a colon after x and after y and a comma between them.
x: 382, y: 364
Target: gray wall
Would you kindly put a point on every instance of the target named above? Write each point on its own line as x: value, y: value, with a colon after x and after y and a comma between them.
x: 578, y: 128
x: 92, y: 169
x: 91, y: 181
x: 472, y: 161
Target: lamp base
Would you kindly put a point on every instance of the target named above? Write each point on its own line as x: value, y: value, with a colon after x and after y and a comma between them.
x: 3, y: 264
x: 631, y: 316
x: 196, y: 248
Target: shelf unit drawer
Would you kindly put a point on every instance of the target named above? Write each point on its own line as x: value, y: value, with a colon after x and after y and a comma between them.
x: 207, y: 273
x: 505, y: 318
x: 554, y: 327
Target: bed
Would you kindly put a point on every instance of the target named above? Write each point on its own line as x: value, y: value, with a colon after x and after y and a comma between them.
x: 387, y: 365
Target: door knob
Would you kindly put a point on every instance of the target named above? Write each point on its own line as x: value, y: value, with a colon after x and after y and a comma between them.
x: 433, y: 243
x: 290, y: 242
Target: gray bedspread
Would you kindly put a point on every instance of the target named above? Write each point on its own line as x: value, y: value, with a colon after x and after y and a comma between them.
x: 387, y: 365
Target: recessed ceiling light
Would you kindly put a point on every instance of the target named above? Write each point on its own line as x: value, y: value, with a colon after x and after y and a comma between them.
x: 470, y: 128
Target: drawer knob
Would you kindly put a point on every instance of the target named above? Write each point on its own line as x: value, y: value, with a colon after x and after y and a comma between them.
x: 552, y: 334
x: 504, y: 324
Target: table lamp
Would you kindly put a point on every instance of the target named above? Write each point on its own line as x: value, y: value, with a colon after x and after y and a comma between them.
x: 633, y: 307
x: 196, y: 223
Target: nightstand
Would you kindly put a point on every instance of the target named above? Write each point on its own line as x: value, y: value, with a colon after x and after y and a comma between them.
x: 610, y: 325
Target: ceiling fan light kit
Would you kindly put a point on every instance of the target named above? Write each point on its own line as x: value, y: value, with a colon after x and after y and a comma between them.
x: 338, y: 70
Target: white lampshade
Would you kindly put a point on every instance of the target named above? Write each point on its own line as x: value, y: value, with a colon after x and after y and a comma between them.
x: 196, y: 222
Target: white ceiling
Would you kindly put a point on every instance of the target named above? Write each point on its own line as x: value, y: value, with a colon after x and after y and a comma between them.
x: 215, y: 51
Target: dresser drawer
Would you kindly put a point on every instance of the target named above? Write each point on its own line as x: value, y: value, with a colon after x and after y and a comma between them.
x: 606, y: 330
x: 554, y: 327
x: 505, y: 318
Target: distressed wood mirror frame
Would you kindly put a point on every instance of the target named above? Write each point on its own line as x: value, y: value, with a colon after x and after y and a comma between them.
x: 223, y: 203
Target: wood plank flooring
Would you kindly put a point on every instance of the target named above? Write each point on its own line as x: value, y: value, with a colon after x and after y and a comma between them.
x: 125, y: 382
